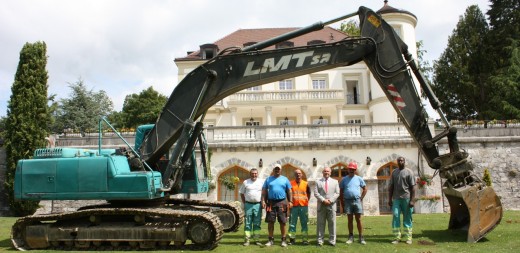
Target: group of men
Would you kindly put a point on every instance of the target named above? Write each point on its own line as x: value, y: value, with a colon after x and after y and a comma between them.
x: 283, y: 199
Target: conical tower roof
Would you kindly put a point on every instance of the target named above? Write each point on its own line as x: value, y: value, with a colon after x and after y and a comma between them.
x: 389, y: 9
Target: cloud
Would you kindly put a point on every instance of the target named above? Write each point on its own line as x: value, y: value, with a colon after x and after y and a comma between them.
x: 123, y: 47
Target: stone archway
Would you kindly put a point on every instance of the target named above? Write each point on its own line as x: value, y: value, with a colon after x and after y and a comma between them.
x: 383, y: 182
x: 383, y: 173
x: 338, y: 166
x: 290, y: 164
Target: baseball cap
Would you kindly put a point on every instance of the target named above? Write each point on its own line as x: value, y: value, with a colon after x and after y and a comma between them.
x: 352, y: 165
x: 277, y: 166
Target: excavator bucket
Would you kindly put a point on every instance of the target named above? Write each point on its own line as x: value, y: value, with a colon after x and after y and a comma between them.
x: 474, y: 208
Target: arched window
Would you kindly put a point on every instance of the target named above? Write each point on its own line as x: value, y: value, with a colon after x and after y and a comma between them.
x: 224, y: 194
x: 383, y: 182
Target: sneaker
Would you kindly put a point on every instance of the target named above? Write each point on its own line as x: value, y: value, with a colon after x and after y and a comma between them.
x: 362, y: 240
x: 292, y: 241
x: 258, y: 243
x: 269, y: 243
x: 320, y: 244
x: 305, y: 242
x: 396, y: 241
x: 350, y: 239
x: 246, y: 243
x: 409, y: 242
x: 284, y: 243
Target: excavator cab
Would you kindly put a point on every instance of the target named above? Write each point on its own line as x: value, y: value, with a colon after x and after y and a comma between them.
x: 195, y: 179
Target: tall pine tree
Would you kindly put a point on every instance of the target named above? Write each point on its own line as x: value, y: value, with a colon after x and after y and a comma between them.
x: 504, y: 46
x: 462, y: 71
x: 504, y: 20
x: 27, y: 117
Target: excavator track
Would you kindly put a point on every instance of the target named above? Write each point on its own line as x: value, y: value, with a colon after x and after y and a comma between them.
x: 119, y: 229
x: 231, y: 223
x: 235, y: 208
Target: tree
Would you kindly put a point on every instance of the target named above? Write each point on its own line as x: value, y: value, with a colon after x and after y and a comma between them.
x: 142, y: 108
x: 423, y: 65
x: 351, y: 28
x: 504, y: 17
x: 27, y: 117
x: 504, y: 41
x: 83, y: 109
x: 462, y: 72
x: 116, y: 119
x: 507, y: 95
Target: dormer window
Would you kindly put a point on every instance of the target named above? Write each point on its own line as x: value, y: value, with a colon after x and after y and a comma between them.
x: 284, y: 44
x: 249, y: 43
x: 315, y: 42
x: 208, y: 51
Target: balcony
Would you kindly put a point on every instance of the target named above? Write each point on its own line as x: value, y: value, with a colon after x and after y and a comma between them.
x: 305, y: 132
x: 286, y: 95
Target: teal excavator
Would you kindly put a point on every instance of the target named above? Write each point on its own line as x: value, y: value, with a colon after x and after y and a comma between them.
x: 138, y: 183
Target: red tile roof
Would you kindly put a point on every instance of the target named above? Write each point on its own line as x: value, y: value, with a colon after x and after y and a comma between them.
x: 242, y: 36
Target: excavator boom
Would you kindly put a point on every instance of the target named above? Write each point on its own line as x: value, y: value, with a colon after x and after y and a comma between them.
x: 391, y: 64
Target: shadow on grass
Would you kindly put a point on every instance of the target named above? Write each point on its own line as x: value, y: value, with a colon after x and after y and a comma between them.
x: 6, y: 244
x: 444, y: 235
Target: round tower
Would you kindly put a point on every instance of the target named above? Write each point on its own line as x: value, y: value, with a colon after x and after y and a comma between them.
x: 404, y: 23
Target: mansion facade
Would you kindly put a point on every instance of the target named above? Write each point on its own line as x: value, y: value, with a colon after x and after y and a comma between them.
x: 324, y: 119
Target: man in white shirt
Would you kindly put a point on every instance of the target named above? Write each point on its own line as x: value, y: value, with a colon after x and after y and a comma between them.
x: 251, y: 195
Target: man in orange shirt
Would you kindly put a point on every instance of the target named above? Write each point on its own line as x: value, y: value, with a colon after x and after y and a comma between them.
x: 299, y: 207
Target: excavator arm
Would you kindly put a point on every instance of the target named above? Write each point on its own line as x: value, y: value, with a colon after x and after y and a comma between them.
x: 474, y: 206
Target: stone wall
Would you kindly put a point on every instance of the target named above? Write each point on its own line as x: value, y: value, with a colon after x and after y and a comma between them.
x: 501, y: 156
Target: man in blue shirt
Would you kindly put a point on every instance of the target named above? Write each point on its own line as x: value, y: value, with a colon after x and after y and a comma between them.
x: 351, y: 186
x: 276, y: 198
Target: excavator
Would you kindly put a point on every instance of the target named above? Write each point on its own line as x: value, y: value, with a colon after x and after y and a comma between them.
x: 139, y: 184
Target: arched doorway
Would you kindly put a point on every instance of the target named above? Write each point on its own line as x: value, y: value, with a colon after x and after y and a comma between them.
x: 288, y: 171
x: 383, y: 182
x: 339, y: 171
x: 231, y: 195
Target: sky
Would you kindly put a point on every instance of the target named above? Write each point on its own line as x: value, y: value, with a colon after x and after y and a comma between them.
x: 126, y: 46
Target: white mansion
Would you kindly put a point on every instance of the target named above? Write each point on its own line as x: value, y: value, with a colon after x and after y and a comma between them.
x: 327, y: 118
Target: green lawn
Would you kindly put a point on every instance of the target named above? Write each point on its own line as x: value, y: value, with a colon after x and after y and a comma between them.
x: 430, y: 235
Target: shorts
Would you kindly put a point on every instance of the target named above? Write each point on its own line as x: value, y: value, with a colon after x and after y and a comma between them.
x: 276, y: 209
x: 353, y: 206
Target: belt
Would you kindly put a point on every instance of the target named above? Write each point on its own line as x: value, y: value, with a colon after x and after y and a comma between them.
x: 253, y: 203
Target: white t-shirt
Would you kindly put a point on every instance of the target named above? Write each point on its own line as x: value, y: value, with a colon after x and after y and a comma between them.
x: 252, y: 190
